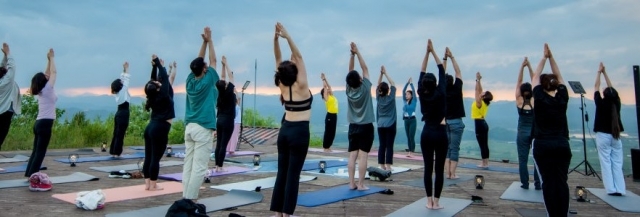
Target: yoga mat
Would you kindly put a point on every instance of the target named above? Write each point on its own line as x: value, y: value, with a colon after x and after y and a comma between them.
x: 321, y: 150
x: 15, y: 169
x: 82, y: 151
x: 418, y: 208
x: 525, y: 212
x: 447, y: 182
x: 235, y: 154
x: 515, y: 192
x: 308, y: 165
x: 235, y: 198
x: 335, y: 172
x: 103, y: 158
x: 495, y: 168
x: 249, y: 160
x: 251, y: 185
x: 17, y: 158
x: 173, y: 147
x: 626, y: 203
x: 126, y: 167
x: 400, y: 156
x: 332, y: 195
x: 230, y: 170
x: 126, y: 193
x: 74, y: 177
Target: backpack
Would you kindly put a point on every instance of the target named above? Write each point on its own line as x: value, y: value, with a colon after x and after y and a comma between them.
x: 379, y: 174
x: 186, y: 208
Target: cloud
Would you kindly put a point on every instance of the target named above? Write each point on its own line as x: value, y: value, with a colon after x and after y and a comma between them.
x: 487, y: 36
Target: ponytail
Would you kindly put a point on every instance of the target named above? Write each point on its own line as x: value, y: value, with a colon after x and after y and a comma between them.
x: 615, y: 121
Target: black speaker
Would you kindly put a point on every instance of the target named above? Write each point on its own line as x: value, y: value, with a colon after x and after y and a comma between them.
x: 635, y: 153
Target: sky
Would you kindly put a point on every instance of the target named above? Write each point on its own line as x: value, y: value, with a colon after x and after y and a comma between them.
x: 93, y: 38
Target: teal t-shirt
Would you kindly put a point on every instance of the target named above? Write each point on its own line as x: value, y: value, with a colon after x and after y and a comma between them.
x: 202, y: 96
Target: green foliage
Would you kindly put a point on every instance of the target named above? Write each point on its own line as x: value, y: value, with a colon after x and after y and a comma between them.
x: 315, y: 141
x: 80, y: 132
x: 249, y: 115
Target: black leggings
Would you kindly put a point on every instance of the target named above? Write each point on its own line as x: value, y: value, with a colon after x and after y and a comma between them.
x: 5, y: 124
x: 482, y: 135
x: 156, y: 136
x: 386, y: 137
x: 552, y: 157
x: 293, y: 144
x: 120, y: 125
x: 42, y: 132
x: 224, y: 126
x: 434, y: 139
x: 330, y: 123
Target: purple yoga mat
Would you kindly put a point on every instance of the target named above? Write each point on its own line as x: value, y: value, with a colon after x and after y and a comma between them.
x: 230, y: 170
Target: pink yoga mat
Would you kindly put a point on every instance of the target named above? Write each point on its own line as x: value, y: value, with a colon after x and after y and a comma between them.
x: 322, y: 150
x: 127, y: 193
x: 400, y: 156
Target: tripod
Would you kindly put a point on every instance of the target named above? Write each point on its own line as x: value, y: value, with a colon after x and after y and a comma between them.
x: 588, y: 169
x: 241, y: 137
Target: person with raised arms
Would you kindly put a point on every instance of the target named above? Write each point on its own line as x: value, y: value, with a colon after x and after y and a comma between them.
x: 608, y: 127
x: 120, y: 88
x: 200, y: 118
x: 386, y: 119
x: 524, y: 104
x: 331, y: 119
x: 551, y: 150
x: 479, y: 109
x: 432, y: 94
x: 360, y: 117
x: 226, y: 114
x: 156, y: 135
x: 455, y: 113
x: 42, y: 86
x: 294, y: 135
x: 10, y: 99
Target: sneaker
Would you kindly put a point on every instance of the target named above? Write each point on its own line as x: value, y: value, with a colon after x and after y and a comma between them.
x: 126, y: 175
x: 39, y: 186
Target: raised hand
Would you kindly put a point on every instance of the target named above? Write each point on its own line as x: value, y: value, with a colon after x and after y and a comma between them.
x: 410, y: 80
x: 283, y: 31
x: 206, y: 36
x: 478, y: 76
x: 175, y: 65
x: 224, y: 60
x: 5, y: 49
x: 125, y: 66
x: 161, y: 62
x: 354, y: 48
x: 153, y: 57
x: 547, y: 51
x: 277, y: 32
x: 525, y: 62
x: 447, y: 52
x: 383, y: 70
x: 429, y: 46
x: 51, y: 54
x: 601, y: 68
x: 322, y: 76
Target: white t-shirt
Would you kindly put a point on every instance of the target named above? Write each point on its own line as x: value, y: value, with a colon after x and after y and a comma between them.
x: 238, y: 115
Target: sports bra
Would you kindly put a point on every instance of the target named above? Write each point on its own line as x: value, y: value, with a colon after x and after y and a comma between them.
x: 298, y: 106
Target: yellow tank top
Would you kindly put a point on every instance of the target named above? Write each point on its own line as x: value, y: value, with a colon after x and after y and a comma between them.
x: 479, y: 113
x: 332, y: 104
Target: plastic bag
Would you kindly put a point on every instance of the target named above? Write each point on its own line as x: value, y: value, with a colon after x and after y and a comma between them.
x: 90, y: 200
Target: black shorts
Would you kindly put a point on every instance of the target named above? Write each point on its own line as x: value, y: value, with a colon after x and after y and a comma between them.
x: 360, y: 137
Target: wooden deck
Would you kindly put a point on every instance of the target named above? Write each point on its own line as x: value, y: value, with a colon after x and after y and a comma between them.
x: 22, y: 202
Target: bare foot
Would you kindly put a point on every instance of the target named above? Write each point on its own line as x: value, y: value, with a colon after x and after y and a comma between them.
x: 327, y: 150
x: 437, y: 206
x: 156, y: 188
x: 429, y: 204
x: 353, y: 186
x: 362, y: 187
x: 482, y: 166
x: 146, y: 184
x: 220, y: 170
x: 455, y: 177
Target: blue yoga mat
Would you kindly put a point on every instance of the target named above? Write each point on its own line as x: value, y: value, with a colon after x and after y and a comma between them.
x: 332, y: 195
x: 103, y: 158
x: 15, y: 169
x: 495, y: 168
x: 308, y: 165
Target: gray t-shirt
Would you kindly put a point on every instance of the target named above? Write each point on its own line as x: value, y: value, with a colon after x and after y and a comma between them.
x: 386, y: 114
x: 360, y: 110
